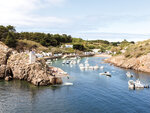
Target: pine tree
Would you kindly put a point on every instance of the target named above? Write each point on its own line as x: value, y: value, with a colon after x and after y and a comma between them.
x: 10, y: 40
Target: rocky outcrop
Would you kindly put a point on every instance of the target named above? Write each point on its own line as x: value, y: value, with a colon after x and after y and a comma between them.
x: 4, y: 55
x: 140, y: 64
x: 14, y: 65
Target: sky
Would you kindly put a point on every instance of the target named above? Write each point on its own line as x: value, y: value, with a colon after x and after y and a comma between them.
x: 113, y: 20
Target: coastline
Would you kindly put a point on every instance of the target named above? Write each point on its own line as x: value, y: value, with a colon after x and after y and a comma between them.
x: 139, y: 64
x: 102, y: 55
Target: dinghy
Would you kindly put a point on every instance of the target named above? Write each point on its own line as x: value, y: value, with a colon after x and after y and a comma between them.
x: 129, y: 75
x: 96, y: 67
x: 136, y: 84
x: 106, y: 73
x: 68, y: 84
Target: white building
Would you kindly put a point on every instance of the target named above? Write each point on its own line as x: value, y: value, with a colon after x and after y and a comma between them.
x: 69, y: 46
x: 32, y: 57
x: 95, y: 50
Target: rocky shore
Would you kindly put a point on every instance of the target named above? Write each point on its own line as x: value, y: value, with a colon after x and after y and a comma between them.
x: 14, y: 65
x: 139, y: 64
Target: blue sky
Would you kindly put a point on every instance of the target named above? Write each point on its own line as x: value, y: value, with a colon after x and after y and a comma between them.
x: 112, y: 20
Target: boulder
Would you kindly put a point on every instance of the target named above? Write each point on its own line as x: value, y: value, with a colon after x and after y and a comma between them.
x: 8, y: 78
x: 14, y: 65
x: 5, y: 52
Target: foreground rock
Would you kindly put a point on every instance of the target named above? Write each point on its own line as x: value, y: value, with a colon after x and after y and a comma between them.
x: 4, y: 55
x: 14, y: 65
x: 139, y: 64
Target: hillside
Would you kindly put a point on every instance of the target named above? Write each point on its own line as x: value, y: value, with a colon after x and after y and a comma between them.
x: 136, y: 56
x: 138, y: 49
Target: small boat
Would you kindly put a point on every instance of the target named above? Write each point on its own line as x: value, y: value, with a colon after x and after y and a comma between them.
x: 102, y: 67
x: 68, y: 62
x: 68, y: 84
x: 81, y: 65
x: 64, y: 62
x: 129, y: 74
x: 91, y: 67
x: 96, y: 67
x: 87, y: 66
x: 48, y: 62
x: 136, y: 84
x: 78, y: 61
x: 131, y: 84
x: 106, y: 73
x: 86, y: 62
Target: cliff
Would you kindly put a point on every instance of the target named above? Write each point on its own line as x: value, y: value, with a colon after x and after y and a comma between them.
x: 141, y: 63
x: 14, y: 65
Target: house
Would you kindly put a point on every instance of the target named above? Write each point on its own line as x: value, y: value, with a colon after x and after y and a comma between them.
x: 69, y: 46
x: 95, y: 50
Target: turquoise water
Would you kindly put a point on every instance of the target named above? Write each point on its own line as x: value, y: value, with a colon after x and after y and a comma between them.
x: 91, y: 93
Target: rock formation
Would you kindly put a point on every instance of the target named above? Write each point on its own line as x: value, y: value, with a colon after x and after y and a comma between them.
x: 14, y: 65
x: 139, y: 64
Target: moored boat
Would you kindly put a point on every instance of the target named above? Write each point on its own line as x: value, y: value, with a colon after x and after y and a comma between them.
x: 106, y: 73
x: 129, y: 74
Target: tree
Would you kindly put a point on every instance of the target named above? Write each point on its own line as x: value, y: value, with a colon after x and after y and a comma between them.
x: 10, y: 40
x: 3, y: 32
x: 11, y: 28
x: 79, y: 47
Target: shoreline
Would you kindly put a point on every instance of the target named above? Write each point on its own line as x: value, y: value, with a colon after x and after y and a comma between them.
x: 140, y: 64
x: 102, y: 55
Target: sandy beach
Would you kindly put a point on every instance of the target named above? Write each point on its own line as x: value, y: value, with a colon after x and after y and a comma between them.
x: 102, y: 55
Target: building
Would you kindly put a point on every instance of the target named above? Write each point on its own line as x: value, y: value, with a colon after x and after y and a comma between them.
x: 95, y: 50
x: 69, y: 46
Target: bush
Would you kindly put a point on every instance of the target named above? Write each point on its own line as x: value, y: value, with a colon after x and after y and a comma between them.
x: 10, y: 40
x: 79, y: 47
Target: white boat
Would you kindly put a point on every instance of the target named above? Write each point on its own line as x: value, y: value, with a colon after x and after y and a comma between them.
x: 96, y: 67
x: 136, y: 84
x: 64, y: 62
x: 106, y: 73
x: 86, y: 62
x: 48, y: 62
x: 78, y: 61
x: 68, y: 62
x: 131, y: 84
x: 68, y: 84
x: 81, y: 65
x: 102, y: 67
x: 87, y: 66
x: 91, y: 67
x: 129, y: 74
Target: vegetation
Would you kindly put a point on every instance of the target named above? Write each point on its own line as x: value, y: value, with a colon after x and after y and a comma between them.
x: 54, y: 42
x: 42, y: 38
x: 79, y: 47
x: 138, y: 49
x: 23, y: 45
x: 10, y: 40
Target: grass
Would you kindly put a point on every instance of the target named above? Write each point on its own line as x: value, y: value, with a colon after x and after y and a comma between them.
x: 28, y: 45
x: 138, y: 49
